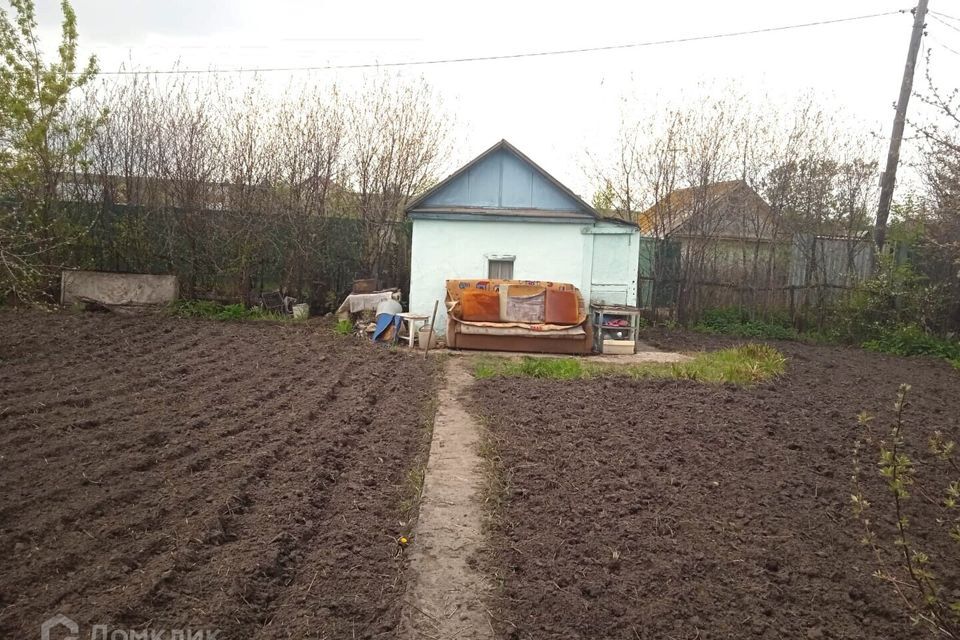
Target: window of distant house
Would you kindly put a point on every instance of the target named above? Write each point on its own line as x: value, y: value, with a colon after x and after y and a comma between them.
x: 500, y: 268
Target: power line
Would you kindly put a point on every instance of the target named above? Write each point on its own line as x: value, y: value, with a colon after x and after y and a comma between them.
x: 945, y: 15
x: 946, y: 24
x: 943, y: 46
x: 511, y: 56
x: 953, y: 51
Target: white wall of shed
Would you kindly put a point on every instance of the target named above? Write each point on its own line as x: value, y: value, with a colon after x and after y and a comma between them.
x: 615, y: 263
x: 459, y: 249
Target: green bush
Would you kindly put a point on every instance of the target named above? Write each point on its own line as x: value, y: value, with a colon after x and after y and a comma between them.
x: 343, y: 327
x: 896, y: 297
x: 897, y: 311
x: 736, y: 322
x: 911, y: 340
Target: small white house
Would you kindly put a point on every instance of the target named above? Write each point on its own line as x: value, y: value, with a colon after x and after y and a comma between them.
x: 502, y: 216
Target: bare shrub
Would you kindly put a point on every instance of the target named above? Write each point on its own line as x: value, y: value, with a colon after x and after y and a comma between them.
x: 237, y: 190
x: 915, y: 538
x: 813, y: 170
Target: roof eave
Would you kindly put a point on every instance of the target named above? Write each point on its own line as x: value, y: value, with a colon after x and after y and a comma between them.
x: 620, y: 221
x: 503, y: 216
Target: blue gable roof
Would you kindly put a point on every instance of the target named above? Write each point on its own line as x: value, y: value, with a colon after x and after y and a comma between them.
x: 502, y: 181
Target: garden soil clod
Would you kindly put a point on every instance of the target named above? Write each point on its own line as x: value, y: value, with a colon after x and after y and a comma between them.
x: 673, y: 509
x: 170, y: 474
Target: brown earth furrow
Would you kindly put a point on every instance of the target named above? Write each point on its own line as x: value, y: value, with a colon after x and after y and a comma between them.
x: 237, y: 476
x: 671, y: 509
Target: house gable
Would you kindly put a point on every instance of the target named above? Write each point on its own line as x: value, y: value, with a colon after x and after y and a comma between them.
x: 723, y: 210
x: 502, y: 181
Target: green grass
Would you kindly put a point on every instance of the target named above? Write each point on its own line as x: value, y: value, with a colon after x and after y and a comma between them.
x: 343, y: 327
x: 745, y: 364
x: 528, y: 367
x: 901, y: 340
x: 217, y: 311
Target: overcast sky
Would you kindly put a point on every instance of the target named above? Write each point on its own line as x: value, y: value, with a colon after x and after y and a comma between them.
x: 552, y: 108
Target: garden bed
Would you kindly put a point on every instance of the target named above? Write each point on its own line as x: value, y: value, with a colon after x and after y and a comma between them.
x: 169, y: 474
x: 674, y: 509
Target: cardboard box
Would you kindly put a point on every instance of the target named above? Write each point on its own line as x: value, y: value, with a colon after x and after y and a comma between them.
x: 618, y: 347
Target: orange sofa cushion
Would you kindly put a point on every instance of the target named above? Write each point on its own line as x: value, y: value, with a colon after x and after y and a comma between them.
x: 480, y: 305
x: 562, y: 307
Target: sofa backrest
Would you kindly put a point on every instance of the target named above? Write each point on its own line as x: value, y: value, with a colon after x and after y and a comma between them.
x: 515, y: 301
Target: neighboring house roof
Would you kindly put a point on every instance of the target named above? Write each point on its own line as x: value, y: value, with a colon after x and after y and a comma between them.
x: 732, y: 209
x: 502, y: 182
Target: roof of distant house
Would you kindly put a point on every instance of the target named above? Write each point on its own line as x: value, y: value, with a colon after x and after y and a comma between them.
x: 680, y: 205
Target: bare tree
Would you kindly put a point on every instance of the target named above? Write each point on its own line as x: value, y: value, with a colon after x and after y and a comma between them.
x: 307, y: 143
x: 938, y: 248
x: 687, y: 176
x: 398, y: 140
x: 235, y: 189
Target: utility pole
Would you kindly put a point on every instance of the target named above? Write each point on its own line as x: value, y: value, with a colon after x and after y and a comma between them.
x: 889, y: 178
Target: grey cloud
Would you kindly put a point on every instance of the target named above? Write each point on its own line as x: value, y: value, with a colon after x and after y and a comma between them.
x: 126, y: 21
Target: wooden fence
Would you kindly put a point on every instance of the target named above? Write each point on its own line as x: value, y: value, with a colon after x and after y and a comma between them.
x: 804, y: 278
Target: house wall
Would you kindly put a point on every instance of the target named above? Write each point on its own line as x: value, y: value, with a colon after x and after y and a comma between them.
x: 616, y: 258
x: 447, y: 249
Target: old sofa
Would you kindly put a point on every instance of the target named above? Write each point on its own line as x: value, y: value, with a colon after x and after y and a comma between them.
x: 517, y: 315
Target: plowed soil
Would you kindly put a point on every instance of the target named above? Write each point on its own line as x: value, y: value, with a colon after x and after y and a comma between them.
x: 672, y: 509
x: 172, y: 474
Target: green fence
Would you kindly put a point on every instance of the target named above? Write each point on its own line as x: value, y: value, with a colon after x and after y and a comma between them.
x: 658, y: 273
x: 234, y: 256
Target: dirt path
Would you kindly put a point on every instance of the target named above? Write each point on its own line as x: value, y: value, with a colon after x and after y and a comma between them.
x: 446, y: 596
